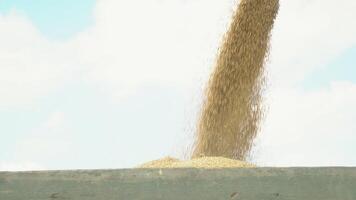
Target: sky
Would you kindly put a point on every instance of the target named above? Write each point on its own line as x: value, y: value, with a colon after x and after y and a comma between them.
x: 114, y: 83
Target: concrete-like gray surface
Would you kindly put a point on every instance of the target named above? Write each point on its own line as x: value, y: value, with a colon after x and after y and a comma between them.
x: 187, y: 184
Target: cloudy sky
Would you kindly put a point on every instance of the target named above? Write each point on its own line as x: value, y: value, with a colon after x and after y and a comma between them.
x: 113, y: 83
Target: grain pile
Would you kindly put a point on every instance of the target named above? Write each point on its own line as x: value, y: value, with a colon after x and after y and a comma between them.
x: 203, y: 162
x: 232, y: 109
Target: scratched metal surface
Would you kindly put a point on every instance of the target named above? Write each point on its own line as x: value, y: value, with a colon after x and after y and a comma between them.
x: 139, y: 184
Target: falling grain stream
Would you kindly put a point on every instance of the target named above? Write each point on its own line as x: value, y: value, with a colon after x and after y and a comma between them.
x: 232, y: 109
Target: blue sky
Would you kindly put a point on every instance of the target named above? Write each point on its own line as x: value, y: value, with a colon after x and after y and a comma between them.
x: 55, y: 19
x: 75, y: 91
x: 343, y: 67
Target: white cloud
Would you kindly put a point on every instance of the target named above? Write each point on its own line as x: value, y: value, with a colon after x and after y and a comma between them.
x: 133, y: 43
x: 50, y: 141
x: 30, y: 65
x: 139, y: 42
x: 308, y: 35
x: 310, y: 128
